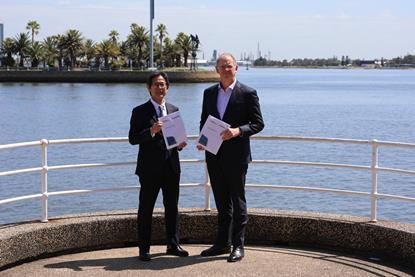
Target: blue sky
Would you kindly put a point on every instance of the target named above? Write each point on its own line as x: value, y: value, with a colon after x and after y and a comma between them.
x: 362, y: 29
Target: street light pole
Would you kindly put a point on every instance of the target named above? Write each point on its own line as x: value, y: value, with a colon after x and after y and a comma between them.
x: 151, y: 34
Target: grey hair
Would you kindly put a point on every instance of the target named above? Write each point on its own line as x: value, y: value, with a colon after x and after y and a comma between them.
x: 221, y: 56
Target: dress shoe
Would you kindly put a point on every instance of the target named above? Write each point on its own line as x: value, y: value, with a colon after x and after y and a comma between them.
x: 236, y: 255
x: 176, y: 250
x: 216, y: 250
x: 144, y: 256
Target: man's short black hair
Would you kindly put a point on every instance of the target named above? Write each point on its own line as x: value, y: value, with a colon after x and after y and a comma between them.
x: 156, y: 74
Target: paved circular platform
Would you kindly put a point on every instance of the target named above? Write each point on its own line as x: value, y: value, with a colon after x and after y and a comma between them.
x: 259, y: 261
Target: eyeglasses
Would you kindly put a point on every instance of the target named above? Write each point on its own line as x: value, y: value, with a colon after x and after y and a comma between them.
x: 226, y: 66
x: 159, y: 85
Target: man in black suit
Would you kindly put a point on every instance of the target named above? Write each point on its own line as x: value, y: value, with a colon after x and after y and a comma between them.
x: 237, y: 105
x: 157, y: 167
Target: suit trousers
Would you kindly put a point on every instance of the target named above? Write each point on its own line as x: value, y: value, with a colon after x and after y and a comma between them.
x: 168, y: 181
x: 228, y: 186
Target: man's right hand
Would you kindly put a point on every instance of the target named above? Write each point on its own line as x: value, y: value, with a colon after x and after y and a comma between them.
x: 156, y: 127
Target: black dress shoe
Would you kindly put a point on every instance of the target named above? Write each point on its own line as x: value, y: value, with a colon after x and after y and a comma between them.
x: 176, y: 250
x: 236, y: 255
x: 144, y: 256
x: 216, y: 250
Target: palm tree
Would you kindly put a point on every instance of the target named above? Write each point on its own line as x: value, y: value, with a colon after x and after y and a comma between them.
x: 185, y: 44
x: 36, y: 53
x: 8, y: 49
x: 114, y: 36
x: 51, y: 50
x: 127, y: 52
x: 138, y: 39
x: 172, y: 52
x: 73, y: 44
x: 34, y: 27
x: 60, y: 44
x: 21, y: 44
x: 89, y: 51
x: 162, y: 30
x: 107, y: 50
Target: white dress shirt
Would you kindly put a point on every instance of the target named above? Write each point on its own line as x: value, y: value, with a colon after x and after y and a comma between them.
x: 223, y: 98
x: 156, y: 107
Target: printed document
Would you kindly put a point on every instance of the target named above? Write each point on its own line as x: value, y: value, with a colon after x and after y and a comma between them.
x: 210, y: 136
x: 173, y: 130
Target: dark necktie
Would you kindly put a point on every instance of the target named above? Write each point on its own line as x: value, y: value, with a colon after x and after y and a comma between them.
x: 160, y: 112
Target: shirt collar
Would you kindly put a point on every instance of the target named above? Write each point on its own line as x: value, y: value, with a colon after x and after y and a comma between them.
x: 156, y: 105
x: 230, y: 87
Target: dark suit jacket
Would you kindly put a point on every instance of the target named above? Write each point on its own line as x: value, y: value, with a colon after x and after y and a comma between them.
x: 152, y: 152
x: 243, y: 111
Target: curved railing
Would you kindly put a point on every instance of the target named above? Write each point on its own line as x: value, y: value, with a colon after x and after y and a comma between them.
x: 373, y: 195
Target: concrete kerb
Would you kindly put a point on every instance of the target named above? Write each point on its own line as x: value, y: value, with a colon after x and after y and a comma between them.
x: 32, y: 240
x: 104, y: 76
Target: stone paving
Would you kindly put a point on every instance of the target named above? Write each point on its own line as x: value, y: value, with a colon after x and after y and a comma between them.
x: 258, y: 261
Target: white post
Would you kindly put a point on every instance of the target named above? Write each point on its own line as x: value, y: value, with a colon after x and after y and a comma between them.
x: 207, y: 190
x: 374, y: 170
x: 151, y: 34
x: 44, y: 180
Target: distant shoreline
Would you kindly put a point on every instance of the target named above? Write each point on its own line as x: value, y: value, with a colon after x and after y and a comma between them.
x: 334, y: 67
x: 103, y: 76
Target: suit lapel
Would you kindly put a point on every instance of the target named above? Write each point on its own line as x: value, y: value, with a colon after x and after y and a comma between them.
x: 214, y: 102
x: 151, y: 111
x: 169, y: 108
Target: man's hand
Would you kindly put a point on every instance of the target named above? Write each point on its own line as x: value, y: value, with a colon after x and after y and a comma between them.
x: 200, y: 147
x: 181, y: 145
x: 230, y: 133
x: 156, y: 127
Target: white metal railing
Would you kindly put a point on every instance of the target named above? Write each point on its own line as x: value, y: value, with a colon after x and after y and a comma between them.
x: 373, y: 195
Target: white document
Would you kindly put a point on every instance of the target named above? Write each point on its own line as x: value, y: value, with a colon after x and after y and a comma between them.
x: 173, y: 130
x: 210, y: 136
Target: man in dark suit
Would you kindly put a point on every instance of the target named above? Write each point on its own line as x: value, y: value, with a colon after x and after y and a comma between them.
x: 157, y: 167
x: 237, y: 105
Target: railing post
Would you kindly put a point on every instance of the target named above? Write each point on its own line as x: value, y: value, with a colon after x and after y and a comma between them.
x: 374, y: 170
x: 44, y: 180
x: 207, y: 190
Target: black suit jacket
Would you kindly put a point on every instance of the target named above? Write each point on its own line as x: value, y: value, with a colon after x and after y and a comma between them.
x: 152, y: 152
x: 243, y: 111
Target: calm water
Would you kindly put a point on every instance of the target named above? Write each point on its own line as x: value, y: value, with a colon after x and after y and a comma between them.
x: 357, y: 104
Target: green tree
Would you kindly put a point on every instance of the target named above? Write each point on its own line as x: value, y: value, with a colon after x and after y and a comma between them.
x: 138, y: 39
x: 33, y: 27
x: 21, y: 44
x: 8, y: 49
x: 51, y: 51
x: 107, y: 51
x: 127, y: 52
x: 114, y: 36
x: 172, y: 53
x: 73, y: 44
x: 36, y: 53
x: 185, y: 43
x: 60, y: 44
x: 89, y: 51
x: 408, y: 59
x: 162, y: 32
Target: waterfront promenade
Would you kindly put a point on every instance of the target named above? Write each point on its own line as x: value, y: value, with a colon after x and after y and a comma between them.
x: 259, y: 261
x: 279, y: 243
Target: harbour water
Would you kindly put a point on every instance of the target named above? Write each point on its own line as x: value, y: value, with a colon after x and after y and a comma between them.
x: 356, y: 104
